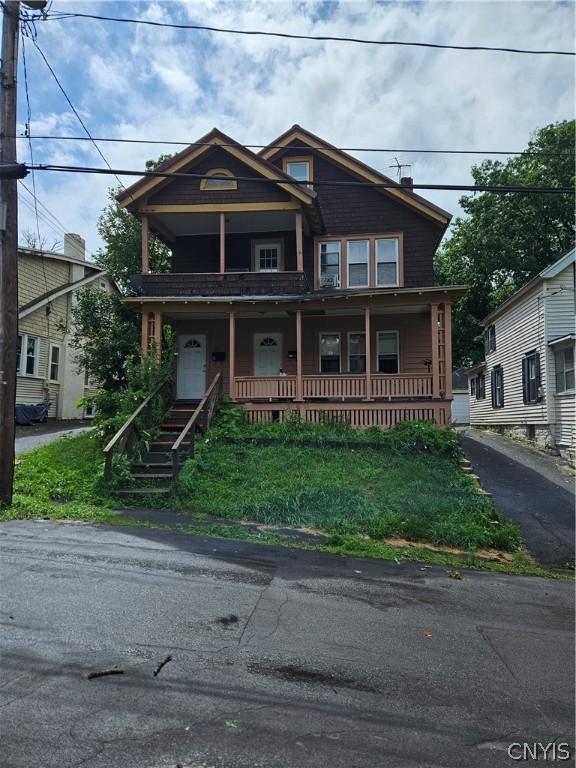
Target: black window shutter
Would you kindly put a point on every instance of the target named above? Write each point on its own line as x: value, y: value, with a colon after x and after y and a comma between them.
x: 501, y: 372
x: 493, y: 387
x: 526, y: 380
x: 538, y: 396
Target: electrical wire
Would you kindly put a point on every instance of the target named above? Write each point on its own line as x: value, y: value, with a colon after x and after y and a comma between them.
x: 47, y: 214
x: 60, y: 16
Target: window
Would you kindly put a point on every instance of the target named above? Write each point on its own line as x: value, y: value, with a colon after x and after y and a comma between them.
x: 490, y: 339
x: 300, y: 168
x: 531, y: 378
x: 54, y: 372
x: 358, y: 263
x: 267, y: 257
x: 26, y: 355
x: 329, y: 353
x: 473, y: 386
x: 480, y: 386
x: 103, y: 285
x: 218, y: 179
x: 330, y: 264
x: 356, y: 353
x: 89, y: 411
x: 387, y: 261
x: 564, y: 359
x: 388, y: 356
x: 497, y: 381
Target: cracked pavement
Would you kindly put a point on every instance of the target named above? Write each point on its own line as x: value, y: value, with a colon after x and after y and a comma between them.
x: 333, y: 661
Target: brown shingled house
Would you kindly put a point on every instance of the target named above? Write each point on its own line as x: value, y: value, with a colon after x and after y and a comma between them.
x: 303, y: 282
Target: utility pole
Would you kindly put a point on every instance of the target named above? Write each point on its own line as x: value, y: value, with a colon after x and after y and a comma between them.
x: 8, y: 248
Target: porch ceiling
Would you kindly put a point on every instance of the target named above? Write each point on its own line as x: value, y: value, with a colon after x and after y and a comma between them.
x: 182, y: 224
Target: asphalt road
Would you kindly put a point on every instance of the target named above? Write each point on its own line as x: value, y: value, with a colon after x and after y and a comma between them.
x: 531, y: 490
x: 279, y: 657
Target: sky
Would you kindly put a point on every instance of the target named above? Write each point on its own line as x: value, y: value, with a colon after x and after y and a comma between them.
x: 133, y: 81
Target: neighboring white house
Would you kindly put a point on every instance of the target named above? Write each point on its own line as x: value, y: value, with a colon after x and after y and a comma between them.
x: 526, y: 385
x: 47, y: 372
x: 460, y: 399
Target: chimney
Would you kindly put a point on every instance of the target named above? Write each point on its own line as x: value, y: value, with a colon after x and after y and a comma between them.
x: 406, y: 181
x: 74, y: 246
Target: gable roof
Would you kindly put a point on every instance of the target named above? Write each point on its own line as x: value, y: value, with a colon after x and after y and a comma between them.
x: 205, y: 144
x: 357, y: 167
x: 55, y: 293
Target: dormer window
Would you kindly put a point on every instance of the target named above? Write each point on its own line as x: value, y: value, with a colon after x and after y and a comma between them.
x: 219, y: 179
x: 300, y: 168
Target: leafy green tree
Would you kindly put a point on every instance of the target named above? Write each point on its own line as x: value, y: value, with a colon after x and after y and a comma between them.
x: 506, y: 239
x: 122, y: 233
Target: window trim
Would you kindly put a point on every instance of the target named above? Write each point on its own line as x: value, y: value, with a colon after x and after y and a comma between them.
x: 355, y: 333
x: 231, y: 186
x: 58, y: 364
x: 287, y: 159
x: 24, y: 345
x: 367, y: 262
x: 318, y: 270
x: 396, y: 262
x: 372, y: 268
x: 256, y: 244
x: 398, y: 356
x: 329, y: 333
x: 562, y: 350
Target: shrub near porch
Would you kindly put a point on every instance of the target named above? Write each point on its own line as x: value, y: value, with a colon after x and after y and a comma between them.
x: 411, y: 486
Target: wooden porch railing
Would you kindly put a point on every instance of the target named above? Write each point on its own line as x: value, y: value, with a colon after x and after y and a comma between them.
x: 124, y: 439
x: 205, y: 405
x: 335, y: 386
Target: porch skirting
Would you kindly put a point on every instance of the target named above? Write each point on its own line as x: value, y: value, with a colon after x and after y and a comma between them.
x: 358, y: 415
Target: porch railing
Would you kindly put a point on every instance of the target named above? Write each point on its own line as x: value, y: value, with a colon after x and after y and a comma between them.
x: 336, y: 386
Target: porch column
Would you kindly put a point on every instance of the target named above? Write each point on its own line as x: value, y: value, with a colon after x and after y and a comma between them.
x: 299, y: 397
x: 448, y: 347
x: 158, y: 336
x: 231, y: 352
x: 144, y: 345
x: 222, y: 243
x: 299, y: 247
x: 434, y: 340
x: 145, y: 258
x: 368, y: 349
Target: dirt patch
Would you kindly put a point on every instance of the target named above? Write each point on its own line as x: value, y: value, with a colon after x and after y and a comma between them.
x: 483, y: 554
x: 295, y: 674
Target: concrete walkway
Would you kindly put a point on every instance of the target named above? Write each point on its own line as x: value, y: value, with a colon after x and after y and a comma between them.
x: 530, y: 488
x: 38, y: 438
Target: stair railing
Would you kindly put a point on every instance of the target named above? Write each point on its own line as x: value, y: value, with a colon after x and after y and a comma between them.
x: 125, y: 437
x: 207, y: 404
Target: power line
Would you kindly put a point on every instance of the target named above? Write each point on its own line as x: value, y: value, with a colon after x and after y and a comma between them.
x: 48, y: 212
x: 528, y: 153
x: 53, y: 15
x: 284, y: 180
x: 45, y: 221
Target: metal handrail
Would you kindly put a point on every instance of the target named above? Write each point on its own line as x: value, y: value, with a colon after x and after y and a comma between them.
x: 125, y: 430
x: 191, y: 423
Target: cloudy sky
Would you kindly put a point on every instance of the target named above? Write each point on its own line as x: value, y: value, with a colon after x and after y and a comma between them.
x: 133, y: 81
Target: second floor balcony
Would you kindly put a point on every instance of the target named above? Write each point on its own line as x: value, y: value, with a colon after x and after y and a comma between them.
x: 233, y: 283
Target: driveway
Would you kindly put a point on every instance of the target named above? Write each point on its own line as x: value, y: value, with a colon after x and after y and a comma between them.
x: 532, y: 490
x: 28, y: 438
x: 279, y: 657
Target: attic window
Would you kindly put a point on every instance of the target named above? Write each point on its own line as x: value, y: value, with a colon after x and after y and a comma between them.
x: 219, y: 179
x: 300, y: 168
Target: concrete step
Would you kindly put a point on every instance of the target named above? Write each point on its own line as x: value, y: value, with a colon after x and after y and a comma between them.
x: 141, y: 491
x: 152, y: 476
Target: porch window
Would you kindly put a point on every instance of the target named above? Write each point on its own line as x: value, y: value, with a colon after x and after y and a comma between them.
x: 329, y: 353
x: 387, y: 262
x: 564, y: 359
x: 268, y: 257
x: 330, y: 264
x: 388, y: 352
x: 356, y: 353
x: 358, y: 263
x: 54, y: 373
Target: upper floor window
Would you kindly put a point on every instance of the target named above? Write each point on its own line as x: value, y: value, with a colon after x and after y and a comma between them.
x: 387, y: 262
x: 564, y: 359
x: 300, y: 168
x: 27, y: 355
x: 531, y: 378
x: 219, y: 179
x: 358, y: 251
x: 490, y: 339
x: 497, y: 380
x: 267, y: 257
x: 330, y: 264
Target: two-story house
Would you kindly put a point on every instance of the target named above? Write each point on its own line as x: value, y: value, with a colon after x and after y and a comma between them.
x: 48, y: 382
x: 302, y: 275
x: 526, y: 385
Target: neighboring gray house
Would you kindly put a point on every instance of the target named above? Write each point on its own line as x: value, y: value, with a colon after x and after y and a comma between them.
x: 526, y: 385
x: 460, y: 400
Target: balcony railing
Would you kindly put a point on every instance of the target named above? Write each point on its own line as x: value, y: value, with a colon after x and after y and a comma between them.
x: 334, y: 387
x: 220, y: 284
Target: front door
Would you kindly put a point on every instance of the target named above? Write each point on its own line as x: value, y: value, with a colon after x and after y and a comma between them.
x: 267, y: 354
x: 191, y: 373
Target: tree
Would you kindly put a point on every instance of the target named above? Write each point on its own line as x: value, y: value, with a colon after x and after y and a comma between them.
x: 40, y: 242
x: 122, y: 233
x: 106, y: 336
x: 506, y: 239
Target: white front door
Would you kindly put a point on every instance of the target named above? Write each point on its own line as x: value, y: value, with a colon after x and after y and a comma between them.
x: 267, y: 354
x: 191, y: 373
